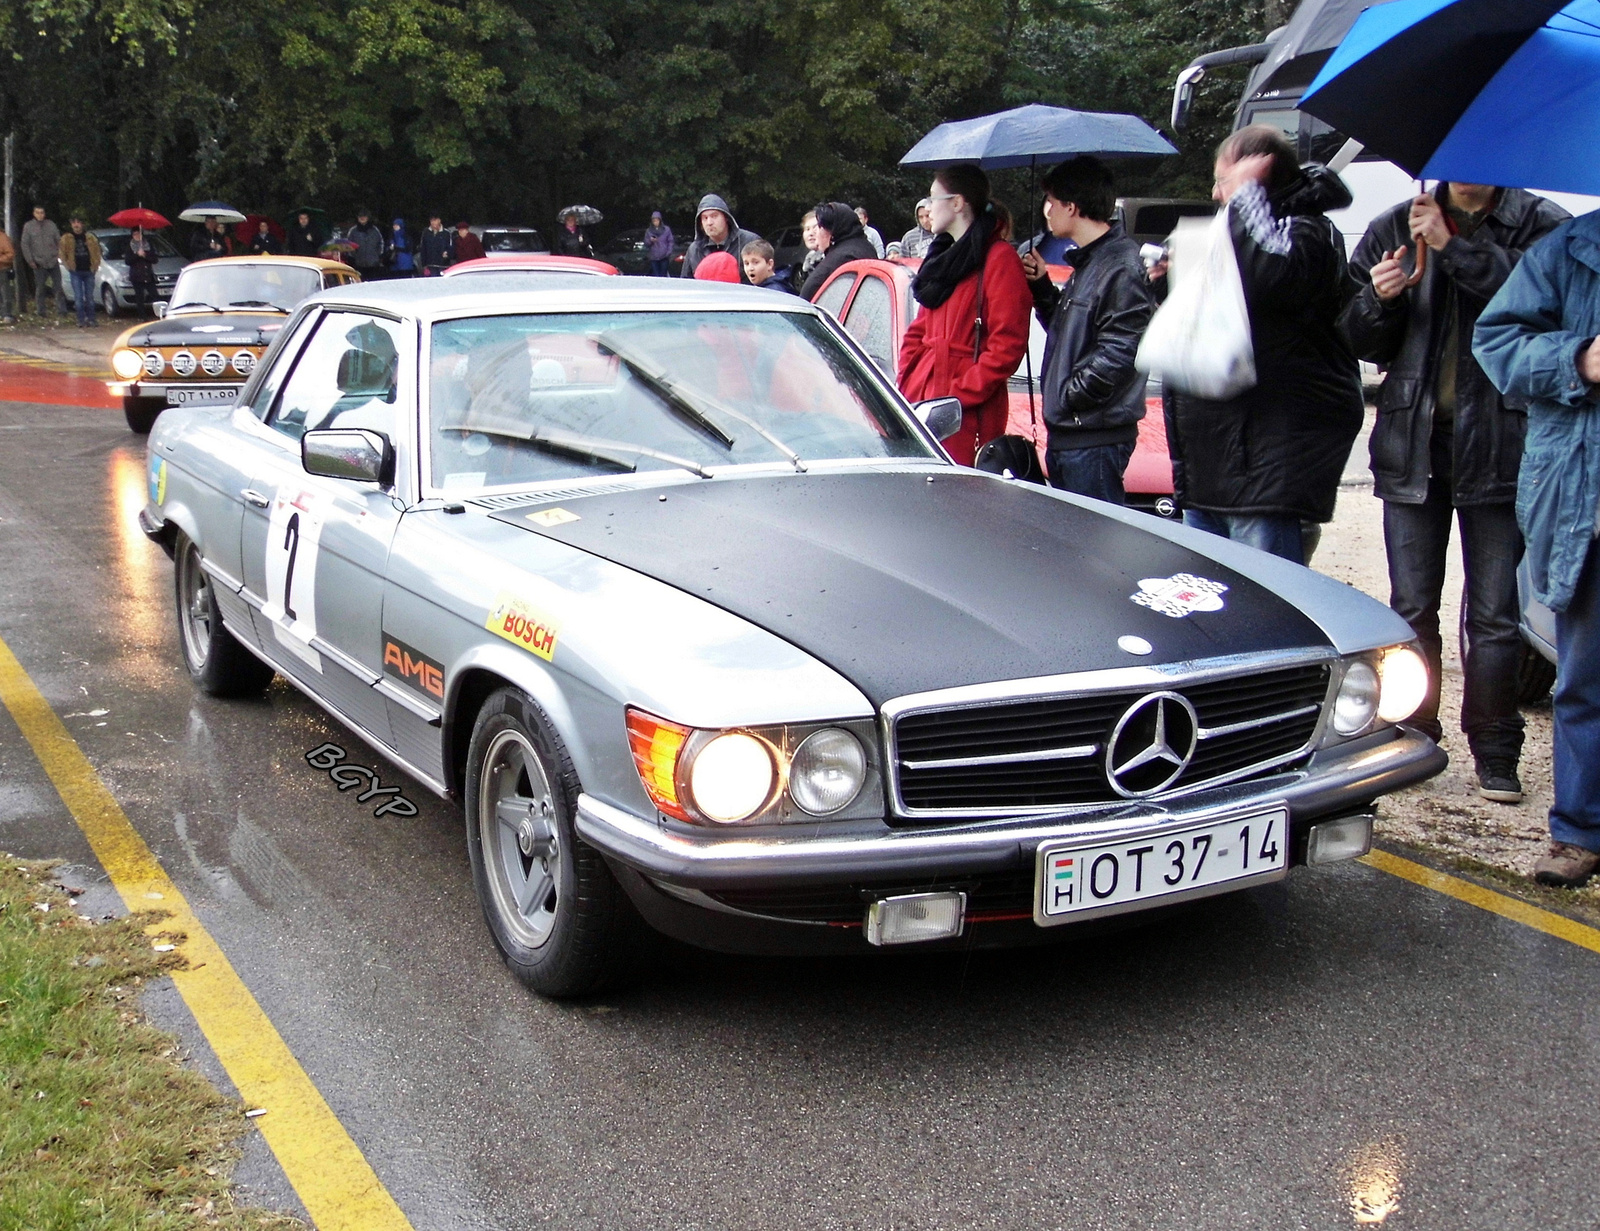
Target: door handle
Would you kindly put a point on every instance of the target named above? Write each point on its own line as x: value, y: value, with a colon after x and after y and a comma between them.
x: 254, y: 497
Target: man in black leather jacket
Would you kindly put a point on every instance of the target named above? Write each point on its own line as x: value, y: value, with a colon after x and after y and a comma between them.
x: 1093, y: 396
x: 1446, y: 445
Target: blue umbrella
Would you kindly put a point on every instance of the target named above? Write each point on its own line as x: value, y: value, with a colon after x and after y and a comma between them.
x: 1478, y: 91
x: 1026, y: 136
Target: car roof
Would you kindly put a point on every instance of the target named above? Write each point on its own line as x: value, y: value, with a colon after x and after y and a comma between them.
x: 492, y: 294
x: 304, y: 262
x: 540, y: 262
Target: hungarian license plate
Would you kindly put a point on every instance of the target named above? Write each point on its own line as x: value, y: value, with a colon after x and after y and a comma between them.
x: 225, y: 396
x: 1109, y: 878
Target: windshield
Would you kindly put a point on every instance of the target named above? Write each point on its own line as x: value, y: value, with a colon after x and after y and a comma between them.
x: 223, y: 286
x: 512, y: 241
x: 526, y: 399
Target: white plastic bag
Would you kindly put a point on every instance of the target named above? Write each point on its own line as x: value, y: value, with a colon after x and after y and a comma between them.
x: 1199, y: 340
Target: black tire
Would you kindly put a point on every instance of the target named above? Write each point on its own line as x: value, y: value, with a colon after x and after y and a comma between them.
x: 141, y: 413
x: 217, y: 663
x: 574, y: 932
x: 108, y: 302
x: 1536, y: 676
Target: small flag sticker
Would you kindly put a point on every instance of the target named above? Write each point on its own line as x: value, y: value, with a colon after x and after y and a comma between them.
x: 1063, y: 869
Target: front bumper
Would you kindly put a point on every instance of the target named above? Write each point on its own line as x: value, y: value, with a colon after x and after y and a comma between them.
x: 1335, y: 781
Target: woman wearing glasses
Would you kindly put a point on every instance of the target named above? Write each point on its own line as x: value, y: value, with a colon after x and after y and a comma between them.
x: 973, y: 328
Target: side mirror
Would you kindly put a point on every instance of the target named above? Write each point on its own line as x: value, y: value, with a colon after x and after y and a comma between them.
x: 941, y: 416
x: 160, y: 309
x: 348, y: 453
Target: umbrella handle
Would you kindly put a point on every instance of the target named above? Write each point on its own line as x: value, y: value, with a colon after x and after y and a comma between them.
x: 1421, y: 266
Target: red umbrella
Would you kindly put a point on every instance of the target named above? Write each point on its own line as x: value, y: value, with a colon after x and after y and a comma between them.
x: 245, y: 231
x: 141, y: 217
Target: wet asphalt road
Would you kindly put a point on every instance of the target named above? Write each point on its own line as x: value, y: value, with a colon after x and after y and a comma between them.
x: 1256, y: 1062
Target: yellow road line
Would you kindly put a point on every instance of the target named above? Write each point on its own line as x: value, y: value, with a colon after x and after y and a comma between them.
x: 1487, y: 899
x: 327, y: 1168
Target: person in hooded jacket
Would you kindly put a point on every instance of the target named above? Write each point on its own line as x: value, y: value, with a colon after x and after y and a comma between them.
x: 839, y: 239
x: 973, y: 329
x: 1252, y: 468
x: 715, y: 230
x: 303, y: 237
x: 402, y: 261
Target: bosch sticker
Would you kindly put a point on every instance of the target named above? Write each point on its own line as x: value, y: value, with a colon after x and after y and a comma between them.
x: 1180, y: 595
x: 523, y: 624
x: 412, y: 668
x: 552, y: 517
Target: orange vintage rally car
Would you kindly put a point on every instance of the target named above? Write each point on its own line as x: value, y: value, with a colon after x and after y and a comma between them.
x: 223, y: 315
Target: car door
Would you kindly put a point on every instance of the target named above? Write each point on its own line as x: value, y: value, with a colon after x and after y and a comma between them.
x: 315, y: 549
x: 835, y: 291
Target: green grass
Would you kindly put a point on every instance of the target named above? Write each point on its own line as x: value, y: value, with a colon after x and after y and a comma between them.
x: 100, y: 1126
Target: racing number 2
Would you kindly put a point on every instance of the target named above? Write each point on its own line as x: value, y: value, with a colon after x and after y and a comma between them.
x: 291, y: 531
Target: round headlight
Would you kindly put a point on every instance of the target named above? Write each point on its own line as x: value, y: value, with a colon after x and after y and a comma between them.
x: 827, y: 771
x: 183, y: 363
x: 153, y: 363
x: 244, y: 362
x: 213, y: 363
x: 127, y: 363
x: 732, y: 777
x: 1357, y: 702
x: 1405, y: 684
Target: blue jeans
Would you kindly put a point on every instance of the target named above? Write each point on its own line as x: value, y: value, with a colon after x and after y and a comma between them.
x: 1575, y: 814
x: 83, y: 295
x: 1269, y: 532
x: 658, y: 269
x: 1096, y: 471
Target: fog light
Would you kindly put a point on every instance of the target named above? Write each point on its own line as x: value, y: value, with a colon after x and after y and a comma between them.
x: 915, y: 916
x: 1349, y: 837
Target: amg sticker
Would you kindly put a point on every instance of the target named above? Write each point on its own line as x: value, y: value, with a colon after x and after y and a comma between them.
x: 1180, y: 595
x: 522, y: 624
x: 412, y: 668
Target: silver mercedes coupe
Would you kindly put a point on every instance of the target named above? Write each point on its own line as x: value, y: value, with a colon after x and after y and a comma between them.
x: 671, y: 590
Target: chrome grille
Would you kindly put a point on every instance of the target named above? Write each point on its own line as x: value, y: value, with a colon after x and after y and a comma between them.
x: 1046, y: 754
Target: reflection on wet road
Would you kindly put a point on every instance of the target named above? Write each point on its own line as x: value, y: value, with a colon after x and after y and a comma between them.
x: 1342, y: 1049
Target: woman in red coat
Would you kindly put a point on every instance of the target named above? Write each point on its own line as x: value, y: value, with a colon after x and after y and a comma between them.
x: 973, y: 328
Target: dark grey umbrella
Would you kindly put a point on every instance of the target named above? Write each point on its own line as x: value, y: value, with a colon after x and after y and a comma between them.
x: 587, y: 215
x: 1027, y: 136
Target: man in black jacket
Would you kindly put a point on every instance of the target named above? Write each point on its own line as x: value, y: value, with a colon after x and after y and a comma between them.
x: 1093, y: 396
x: 1447, y: 445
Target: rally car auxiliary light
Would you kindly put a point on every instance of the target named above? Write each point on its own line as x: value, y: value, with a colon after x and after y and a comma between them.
x: 1349, y: 837
x: 915, y: 916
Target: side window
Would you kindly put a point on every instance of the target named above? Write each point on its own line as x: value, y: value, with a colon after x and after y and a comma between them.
x: 835, y: 293
x: 347, y: 376
x: 282, y: 359
x: 870, y: 321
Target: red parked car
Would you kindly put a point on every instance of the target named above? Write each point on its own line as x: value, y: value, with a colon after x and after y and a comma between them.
x: 873, y: 300
x: 530, y: 262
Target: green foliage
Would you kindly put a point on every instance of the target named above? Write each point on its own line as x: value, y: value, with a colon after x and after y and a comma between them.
x: 507, y: 109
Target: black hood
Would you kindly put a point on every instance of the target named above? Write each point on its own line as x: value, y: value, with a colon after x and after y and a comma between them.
x: 904, y: 585
x: 204, y: 329
x: 841, y: 221
x: 1317, y: 191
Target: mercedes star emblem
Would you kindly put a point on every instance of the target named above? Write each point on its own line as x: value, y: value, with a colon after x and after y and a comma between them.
x: 1151, y: 744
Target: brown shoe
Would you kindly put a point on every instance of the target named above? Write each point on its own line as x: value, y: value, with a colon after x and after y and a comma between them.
x: 1566, y: 866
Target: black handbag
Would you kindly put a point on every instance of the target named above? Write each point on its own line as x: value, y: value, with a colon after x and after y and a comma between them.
x: 1016, y: 456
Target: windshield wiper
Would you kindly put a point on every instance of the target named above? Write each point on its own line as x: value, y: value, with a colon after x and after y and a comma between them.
x: 617, y: 453
x: 182, y: 307
x: 256, y: 303
x: 656, y: 380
